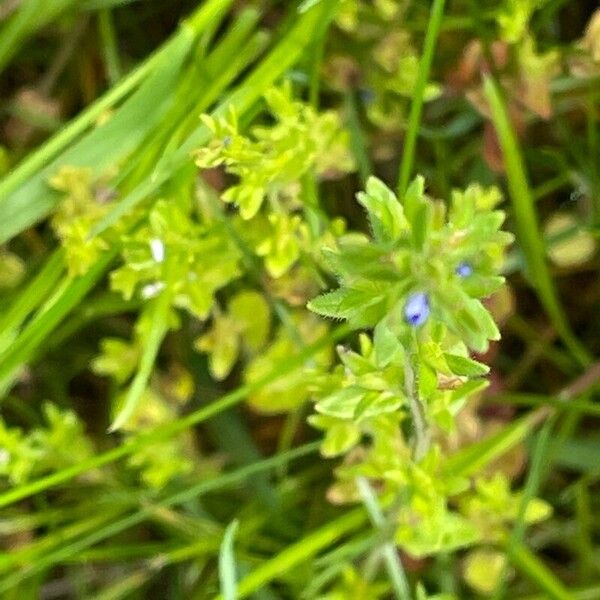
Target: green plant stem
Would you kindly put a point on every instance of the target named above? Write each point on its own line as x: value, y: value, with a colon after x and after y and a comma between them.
x: 531, y: 486
x: 422, y: 439
x: 416, y: 107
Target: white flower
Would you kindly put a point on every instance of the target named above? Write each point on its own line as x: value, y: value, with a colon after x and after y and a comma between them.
x: 157, y: 248
x: 152, y: 289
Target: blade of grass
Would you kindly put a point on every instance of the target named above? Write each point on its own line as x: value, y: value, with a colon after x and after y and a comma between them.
x: 281, y: 57
x: 533, y: 568
x: 169, y: 429
x: 584, y: 516
x: 416, y: 107
x: 158, y: 329
x: 141, y: 515
x: 476, y: 456
x: 227, y: 570
x: 527, y: 227
x: 301, y: 551
x: 532, y: 484
x: 582, y: 406
x: 390, y: 554
x: 68, y: 295
x: 591, y: 592
x: 30, y: 298
x: 110, y: 48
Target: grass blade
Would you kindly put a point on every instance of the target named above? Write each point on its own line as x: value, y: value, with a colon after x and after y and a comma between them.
x: 30, y: 298
x: 302, y: 550
x: 68, y: 295
x: 528, y: 231
x: 390, y: 554
x: 170, y: 429
x: 158, y: 329
x: 476, y: 456
x: 227, y: 571
x: 533, y: 568
x: 416, y: 108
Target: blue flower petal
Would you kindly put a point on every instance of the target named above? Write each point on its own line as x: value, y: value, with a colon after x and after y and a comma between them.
x: 416, y: 309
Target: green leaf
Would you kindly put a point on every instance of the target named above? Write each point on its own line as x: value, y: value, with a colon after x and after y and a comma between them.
x: 342, y: 403
x: 386, y: 345
x: 340, y: 438
x: 347, y: 303
x: 385, y: 212
x: 462, y: 365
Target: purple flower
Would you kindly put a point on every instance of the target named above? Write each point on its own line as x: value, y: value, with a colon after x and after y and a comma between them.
x: 464, y: 269
x: 416, y: 309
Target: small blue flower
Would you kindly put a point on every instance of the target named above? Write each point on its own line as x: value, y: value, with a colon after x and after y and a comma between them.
x: 227, y: 141
x: 367, y: 96
x: 416, y: 309
x: 464, y: 269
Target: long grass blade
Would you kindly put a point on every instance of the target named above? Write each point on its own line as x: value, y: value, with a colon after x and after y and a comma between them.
x: 170, y: 429
x: 416, y: 108
x: 528, y: 231
x: 227, y: 570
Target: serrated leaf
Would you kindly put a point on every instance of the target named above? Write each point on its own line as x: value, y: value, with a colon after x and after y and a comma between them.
x: 462, y: 365
x: 342, y: 403
x: 344, y: 303
x: 385, y: 212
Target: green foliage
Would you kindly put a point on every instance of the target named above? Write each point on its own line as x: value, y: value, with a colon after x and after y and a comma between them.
x: 415, y: 248
x: 244, y: 327
x: 173, y: 258
x: 61, y: 442
x: 75, y: 216
x: 271, y: 162
x: 175, y: 255
x: 413, y: 374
